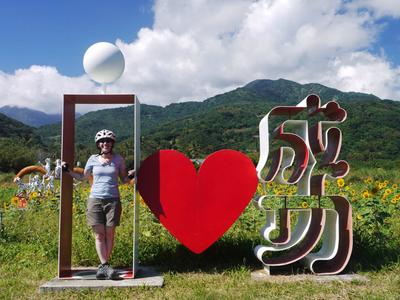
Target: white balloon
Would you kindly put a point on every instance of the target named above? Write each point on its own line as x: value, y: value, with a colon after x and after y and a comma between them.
x: 104, y: 62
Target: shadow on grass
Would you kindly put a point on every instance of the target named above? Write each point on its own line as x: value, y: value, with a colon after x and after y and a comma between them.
x: 229, y: 254
x: 366, y: 257
x: 222, y: 256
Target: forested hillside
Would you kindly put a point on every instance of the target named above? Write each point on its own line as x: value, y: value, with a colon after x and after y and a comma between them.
x: 371, y: 133
x: 12, y: 128
x: 19, y: 144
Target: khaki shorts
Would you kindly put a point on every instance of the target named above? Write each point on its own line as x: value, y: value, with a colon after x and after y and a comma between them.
x: 103, y: 211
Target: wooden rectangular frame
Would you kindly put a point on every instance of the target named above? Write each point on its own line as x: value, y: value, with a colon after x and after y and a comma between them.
x: 67, y: 155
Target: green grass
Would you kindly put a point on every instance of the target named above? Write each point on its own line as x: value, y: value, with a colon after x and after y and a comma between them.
x: 6, y: 177
x: 21, y: 279
x: 28, y: 258
x: 29, y: 241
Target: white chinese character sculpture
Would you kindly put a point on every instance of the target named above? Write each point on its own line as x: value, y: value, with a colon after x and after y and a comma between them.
x: 298, y: 158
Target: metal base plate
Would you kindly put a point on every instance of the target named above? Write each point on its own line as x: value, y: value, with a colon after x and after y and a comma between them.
x: 85, y: 278
x: 263, y: 275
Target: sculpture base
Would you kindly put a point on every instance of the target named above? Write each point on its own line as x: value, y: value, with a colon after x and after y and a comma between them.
x: 264, y: 275
x: 85, y: 278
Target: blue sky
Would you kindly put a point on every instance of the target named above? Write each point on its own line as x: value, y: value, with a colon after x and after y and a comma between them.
x: 180, y: 50
x: 389, y: 40
x: 57, y: 33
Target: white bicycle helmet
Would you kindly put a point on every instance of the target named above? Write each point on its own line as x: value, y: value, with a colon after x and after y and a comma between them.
x: 104, y: 134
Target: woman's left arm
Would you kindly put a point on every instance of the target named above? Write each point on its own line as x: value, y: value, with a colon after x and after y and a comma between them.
x: 123, y: 174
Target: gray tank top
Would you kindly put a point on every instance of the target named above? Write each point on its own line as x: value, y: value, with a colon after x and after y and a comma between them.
x: 105, y: 176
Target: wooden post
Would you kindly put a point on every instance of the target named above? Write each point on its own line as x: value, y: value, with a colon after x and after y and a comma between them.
x: 67, y: 155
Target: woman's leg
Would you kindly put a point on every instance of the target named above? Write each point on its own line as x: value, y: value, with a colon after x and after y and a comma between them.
x: 110, y: 233
x: 101, y: 242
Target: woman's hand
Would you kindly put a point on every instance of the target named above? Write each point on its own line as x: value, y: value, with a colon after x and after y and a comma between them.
x: 65, y: 167
x: 131, y: 174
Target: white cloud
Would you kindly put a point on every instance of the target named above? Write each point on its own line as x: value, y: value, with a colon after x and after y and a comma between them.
x: 41, y: 87
x: 364, y: 72
x: 199, y: 48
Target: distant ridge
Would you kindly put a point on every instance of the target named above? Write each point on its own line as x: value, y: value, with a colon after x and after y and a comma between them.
x: 31, y: 117
x: 286, y: 91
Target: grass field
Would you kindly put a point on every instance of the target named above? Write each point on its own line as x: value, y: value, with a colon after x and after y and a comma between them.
x: 29, y: 237
x: 21, y: 282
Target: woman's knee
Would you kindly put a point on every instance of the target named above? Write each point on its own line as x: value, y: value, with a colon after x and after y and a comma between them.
x: 99, y: 233
x: 100, y: 237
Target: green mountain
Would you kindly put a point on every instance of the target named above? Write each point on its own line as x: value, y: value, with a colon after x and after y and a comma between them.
x: 19, y: 144
x: 230, y: 120
x: 285, y: 91
x: 30, y: 117
x: 10, y: 128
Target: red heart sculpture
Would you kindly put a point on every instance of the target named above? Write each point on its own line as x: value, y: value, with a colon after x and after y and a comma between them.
x: 197, y: 209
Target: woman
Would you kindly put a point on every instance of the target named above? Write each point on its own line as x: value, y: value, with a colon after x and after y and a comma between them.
x: 104, y: 206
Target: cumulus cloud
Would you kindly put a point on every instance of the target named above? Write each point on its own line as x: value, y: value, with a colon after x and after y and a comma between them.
x: 41, y: 87
x: 361, y: 71
x: 198, y: 48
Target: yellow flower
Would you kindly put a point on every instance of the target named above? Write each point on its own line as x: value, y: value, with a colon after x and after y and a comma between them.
x: 340, y: 182
x: 353, y: 192
x: 365, y: 194
x: 5, y: 206
x: 368, y: 180
x: 359, y: 217
x: 341, y: 194
x: 33, y: 195
x: 394, y: 186
x: 397, y: 197
x: 326, y: 183
x: 388, y: 191
x: 14, y: 200
x: 304, y: 204
x: 394, y: 201
x: 386, y: 182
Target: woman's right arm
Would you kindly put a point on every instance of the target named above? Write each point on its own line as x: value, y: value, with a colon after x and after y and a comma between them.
x: 77, y: 176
